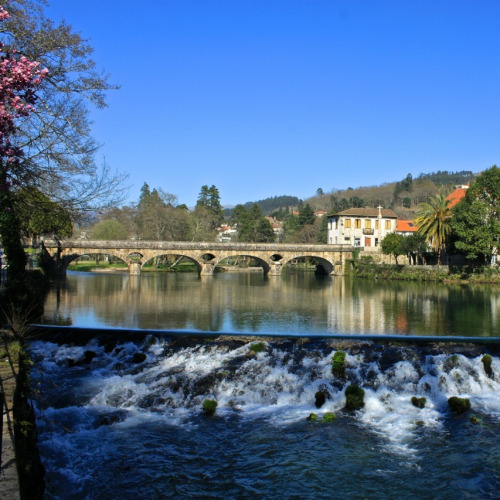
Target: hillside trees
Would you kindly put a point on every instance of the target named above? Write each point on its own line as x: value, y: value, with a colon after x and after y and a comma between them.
x: 59, y: 151
x: 476, y: 219
x: 158, y: 219
x: 254, y: 227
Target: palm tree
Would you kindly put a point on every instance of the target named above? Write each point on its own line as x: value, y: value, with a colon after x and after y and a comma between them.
x: 433, y: 222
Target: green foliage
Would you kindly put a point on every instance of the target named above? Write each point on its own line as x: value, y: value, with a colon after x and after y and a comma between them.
x: 40, y: 215
x: 448, y: 178
x: 109, y: 229
x: 354, y: 396
x: 306, y: 215
x: 459, y: 405
x: 322, y: 237
x: 393, y: 244
x: 254, y: 227
x: 209, y: 198
x: 433, y: 221
x: 338, y: 364
x: 476, y: 219
x: 209, y: 406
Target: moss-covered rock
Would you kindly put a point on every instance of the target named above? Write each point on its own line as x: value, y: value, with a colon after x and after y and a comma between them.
x: 209, y: 406
x: 338, y: 364
x: 459, y: 405
x: 451, y: 362
x: 354, y: 398
x: 418, y: 402
x: 258, y: 347
x: 312, y: 417
x: 329, y: 417
x: 487, y: 360
x: 475, y: 420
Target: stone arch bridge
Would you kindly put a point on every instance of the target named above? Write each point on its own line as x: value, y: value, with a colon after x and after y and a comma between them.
x: 270, y: 256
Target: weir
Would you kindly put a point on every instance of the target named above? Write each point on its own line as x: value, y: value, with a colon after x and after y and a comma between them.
x: 270, y: 256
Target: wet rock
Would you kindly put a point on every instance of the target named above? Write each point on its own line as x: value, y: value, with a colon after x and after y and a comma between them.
x: 418, y: 402
x: 320, y: 397
x: 312, y: 417
x: 459, y: 405
x: 139, y: 357
x: 451, y: 362
x: 354, y: 398
x: 110, y: 419
x: 71, y: 362
x: 487, y: 359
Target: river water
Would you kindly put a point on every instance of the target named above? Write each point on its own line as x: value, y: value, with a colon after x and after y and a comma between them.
x: 122, y: 417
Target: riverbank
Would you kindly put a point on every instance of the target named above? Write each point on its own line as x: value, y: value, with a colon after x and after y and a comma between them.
x: 443, y: 274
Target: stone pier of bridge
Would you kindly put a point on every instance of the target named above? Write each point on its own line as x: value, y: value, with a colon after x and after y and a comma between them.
x: 272, y: 257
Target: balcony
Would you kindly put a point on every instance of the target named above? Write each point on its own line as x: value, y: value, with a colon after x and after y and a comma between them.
x: 368, y: 231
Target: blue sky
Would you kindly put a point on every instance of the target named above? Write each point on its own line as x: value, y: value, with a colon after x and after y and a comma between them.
x: 265, y: 98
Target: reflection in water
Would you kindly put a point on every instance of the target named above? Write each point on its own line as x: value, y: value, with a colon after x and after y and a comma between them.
x: 292, y: 303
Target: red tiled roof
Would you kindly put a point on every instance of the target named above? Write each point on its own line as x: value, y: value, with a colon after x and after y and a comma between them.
x: 456, y: 196
x: 406, y: 226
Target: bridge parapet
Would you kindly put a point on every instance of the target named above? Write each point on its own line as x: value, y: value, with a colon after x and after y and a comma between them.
x: 206, y: 255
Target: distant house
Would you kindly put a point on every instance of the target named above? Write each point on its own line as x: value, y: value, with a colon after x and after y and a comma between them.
x: 406, y: 227
x: 320, y: 213
x: 361, y: 227
x: 456, y: 196
x: 276, y: 225
x: 226, y: 233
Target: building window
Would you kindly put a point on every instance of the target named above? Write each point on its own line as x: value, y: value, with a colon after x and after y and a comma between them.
x: 347, y: 239
x: 357, y: 223
x: 368, y: 224
x: 388, y: 224
x: 357, y: 242
x: 348, y: 223
x: 376, y: 242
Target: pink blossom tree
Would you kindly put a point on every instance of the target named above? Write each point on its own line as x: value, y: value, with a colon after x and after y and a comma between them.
x: 19, y: 78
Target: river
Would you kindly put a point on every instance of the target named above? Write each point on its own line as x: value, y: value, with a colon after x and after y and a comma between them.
x: 122, y: 417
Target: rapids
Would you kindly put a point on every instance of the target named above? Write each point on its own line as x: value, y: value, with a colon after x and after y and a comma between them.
x: 123, y: 419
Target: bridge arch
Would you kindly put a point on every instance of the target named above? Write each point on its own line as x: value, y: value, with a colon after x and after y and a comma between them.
x: 260, y: 261
x: 149, y: 258
x: 323, y: 266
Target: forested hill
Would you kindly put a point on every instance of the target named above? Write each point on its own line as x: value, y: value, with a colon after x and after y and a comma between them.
x: 269, y: 205
x: 402, y: 196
